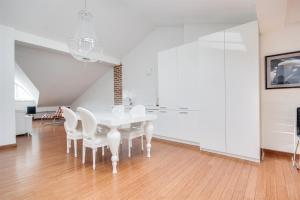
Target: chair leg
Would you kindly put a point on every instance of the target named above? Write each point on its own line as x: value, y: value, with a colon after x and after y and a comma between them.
x: 294, y: 158
x: 94, y: 158
x: 142, y: 141
x: 129, y: 148
x: 118, y: 155
x: 102, y: 150
x: 83, y: 154
x: 68, y: 145
x: 75, y: 148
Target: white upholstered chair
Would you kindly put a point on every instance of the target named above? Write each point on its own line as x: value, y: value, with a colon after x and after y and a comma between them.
x: 93, y: 136
x: 136, y: 130
x: 72, y: 130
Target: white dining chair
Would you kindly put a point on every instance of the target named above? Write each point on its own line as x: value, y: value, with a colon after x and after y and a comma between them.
x: 135, y: 130
x: 73, y: 131
x: 93, y: 136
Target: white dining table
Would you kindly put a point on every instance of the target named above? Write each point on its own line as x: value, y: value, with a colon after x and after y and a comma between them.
x: 114, y: 137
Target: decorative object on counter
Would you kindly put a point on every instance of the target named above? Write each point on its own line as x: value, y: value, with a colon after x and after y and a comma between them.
x: 128, y: 98
x: 283, y: 70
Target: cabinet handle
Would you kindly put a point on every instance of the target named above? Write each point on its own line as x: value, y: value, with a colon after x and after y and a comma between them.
x: 163, y: 107
x: 162, y: 111
x: 183, y: 108
x: 183, y: 112
x: 150, y: 111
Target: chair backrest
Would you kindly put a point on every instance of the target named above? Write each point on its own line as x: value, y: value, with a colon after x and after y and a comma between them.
x: 71, y: 119
x: 118, y: 110
x: 138, y: 111
x: 89, y: 123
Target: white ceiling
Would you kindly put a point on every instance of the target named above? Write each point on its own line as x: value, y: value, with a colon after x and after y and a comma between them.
x: 120, y: 24
x: 178, y: 12
x: 59, y: 78
x: 118, y: 27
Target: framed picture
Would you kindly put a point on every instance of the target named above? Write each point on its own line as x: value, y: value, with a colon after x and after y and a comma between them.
x: 283, y: 70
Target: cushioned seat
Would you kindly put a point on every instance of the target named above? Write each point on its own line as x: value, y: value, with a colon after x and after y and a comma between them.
x: 94, y: 136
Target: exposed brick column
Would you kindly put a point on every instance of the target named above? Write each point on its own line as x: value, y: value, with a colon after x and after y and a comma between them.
x: 118, y: 89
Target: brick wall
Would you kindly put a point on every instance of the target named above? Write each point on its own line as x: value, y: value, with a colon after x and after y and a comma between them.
x: 118, y: 96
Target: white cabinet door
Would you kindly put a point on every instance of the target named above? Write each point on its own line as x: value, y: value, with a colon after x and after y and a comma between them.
x: 167, y: 79
x: 20, y: 122
x: 188, y: 76
x: 189, y: 123
x: 242, y: 90
x: 212, y: 91
x: 167, y: 123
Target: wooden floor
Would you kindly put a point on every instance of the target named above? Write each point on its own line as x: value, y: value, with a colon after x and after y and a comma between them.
x: 39, y: 168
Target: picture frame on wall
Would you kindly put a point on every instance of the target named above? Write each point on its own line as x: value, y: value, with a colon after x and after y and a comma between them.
x: 283, y: 70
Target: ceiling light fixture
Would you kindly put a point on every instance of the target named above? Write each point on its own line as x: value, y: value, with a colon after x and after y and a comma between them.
x: 84, y: 45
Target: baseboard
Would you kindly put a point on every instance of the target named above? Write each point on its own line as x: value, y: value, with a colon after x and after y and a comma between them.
x: 277, y: 152
x: 231, y: 155
x: 195, y: 145
x: 8, y: 146
x: 177, y: 143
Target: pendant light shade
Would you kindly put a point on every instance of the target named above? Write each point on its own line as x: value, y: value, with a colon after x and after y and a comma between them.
x: 84, y: 45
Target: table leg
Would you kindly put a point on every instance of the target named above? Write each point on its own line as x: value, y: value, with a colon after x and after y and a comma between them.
x: 149, y: 129
x: 113, y: 138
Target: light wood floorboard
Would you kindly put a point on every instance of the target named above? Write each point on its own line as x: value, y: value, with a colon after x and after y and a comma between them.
x: 39, y: 168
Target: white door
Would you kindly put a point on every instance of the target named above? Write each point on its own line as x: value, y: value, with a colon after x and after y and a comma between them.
x: 167, y: 79
x: 242, y: 90
x: 167, y: 125
x: 189, y: 123
x: 188, y: 77
x: 212, y: 91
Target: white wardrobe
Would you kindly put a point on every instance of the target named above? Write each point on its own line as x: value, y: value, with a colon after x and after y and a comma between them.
x: 209, y: 92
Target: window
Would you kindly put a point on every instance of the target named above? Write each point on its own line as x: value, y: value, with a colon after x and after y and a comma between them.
x: 21, y: 93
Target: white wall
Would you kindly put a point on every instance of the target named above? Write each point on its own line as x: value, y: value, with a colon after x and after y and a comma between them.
x: 278, y: 107
x: 140, y: 65
x: 22, y: 105
x: 140, y: 61
x: 193, y: 31
x: 100, y: 96
x: 7, y: 101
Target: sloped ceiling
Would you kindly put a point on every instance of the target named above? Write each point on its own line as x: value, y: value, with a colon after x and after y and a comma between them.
x: 178, y: 12
x: 118, y: 27
x: 273, y: 15
x: 59, y: 78
x: 120, y: 24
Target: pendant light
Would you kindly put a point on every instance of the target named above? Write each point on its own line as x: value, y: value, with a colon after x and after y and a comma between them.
x: 84, y: 45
